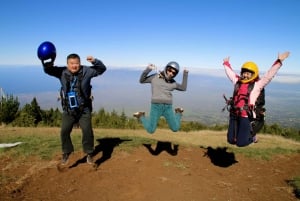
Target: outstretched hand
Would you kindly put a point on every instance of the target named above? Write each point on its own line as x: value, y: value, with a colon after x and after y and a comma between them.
x: 283, y: 56
x: 226, y: 59
x: 151, y: 66
x: 90, y: 59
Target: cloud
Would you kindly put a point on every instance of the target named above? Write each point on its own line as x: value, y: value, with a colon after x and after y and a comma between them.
x: 208, y: 71
x: 287, y: 79
x: 284, y: 78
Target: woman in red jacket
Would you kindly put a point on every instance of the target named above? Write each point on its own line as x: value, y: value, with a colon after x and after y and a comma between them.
x: 240, y: 129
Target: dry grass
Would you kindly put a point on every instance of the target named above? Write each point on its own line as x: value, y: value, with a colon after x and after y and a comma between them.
x: 202, y: 138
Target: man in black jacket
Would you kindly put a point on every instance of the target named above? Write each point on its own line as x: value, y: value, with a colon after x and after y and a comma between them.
x: 76, y: 100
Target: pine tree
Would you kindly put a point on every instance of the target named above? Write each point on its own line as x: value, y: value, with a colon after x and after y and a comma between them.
x: 8, y: 109
x: 36, y: 111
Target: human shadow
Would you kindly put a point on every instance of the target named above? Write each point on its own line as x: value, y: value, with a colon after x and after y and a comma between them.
x: 162, y: 146
x: 106, y: 146
x: 82, y: 160
x: 219, y: 156
x: 296, y: 189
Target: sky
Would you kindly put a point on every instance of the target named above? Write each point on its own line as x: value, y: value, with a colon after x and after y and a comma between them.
x: 134, y: 33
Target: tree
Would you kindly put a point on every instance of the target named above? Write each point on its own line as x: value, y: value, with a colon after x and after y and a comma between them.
x: 51, y: 117
x: 35, y: 111
x: 24, y: 120
x: 100, y: 119
x: 30, y: 115
x: 8, y: 109
x: 123, y: 119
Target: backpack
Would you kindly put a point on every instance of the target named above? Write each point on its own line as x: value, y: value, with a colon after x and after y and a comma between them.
x: 259, y: 108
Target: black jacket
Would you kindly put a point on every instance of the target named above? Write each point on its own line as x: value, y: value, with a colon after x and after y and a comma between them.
x: 82, y: 85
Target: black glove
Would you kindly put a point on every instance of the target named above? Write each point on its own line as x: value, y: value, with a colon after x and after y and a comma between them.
x: 48, y: 64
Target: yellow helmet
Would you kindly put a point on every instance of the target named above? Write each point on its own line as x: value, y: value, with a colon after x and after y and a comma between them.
x: 252, y: 67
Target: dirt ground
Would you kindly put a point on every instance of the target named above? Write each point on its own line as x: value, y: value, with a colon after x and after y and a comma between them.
x: 153, y: 172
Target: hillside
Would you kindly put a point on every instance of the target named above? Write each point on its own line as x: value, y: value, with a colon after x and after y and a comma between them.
x: 181, y: 166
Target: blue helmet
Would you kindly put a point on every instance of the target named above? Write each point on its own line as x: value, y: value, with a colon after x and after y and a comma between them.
x: 46, y: 51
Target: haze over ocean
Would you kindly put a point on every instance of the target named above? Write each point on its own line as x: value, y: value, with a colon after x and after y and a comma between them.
x: 120, y: 90
x: 196, y: 34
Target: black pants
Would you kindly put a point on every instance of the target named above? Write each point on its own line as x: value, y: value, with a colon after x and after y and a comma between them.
x: 85, y: 122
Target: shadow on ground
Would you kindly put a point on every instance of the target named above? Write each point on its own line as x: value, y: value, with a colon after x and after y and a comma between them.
x: 163, y: 146
x: 296, y: 187
x: 219, y: 156
x: 106, y: 146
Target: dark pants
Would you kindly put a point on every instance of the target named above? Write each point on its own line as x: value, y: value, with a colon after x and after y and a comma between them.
x: 239, y: 131
x: 85, y: 122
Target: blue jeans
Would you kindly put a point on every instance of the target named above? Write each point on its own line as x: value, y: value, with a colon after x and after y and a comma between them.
x: 158, y: 110
x: 239, y: 131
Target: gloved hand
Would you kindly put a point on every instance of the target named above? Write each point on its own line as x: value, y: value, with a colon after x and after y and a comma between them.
x: 48, y: 64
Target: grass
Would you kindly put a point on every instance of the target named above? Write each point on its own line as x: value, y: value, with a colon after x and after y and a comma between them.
x: 43, y: 146
x: 45, y: 142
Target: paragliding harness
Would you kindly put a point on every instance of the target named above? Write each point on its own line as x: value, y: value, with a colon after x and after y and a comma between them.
x: 258, y: 121
x: 73, y: 100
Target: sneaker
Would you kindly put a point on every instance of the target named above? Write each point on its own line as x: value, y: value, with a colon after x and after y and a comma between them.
x: 139, y: 114
x: 179, y: 110
x: 89, y: 159
x: 65, y: 158
x: 255, y: 139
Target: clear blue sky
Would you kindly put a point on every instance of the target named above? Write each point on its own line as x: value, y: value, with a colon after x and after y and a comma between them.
x: 130, y: 33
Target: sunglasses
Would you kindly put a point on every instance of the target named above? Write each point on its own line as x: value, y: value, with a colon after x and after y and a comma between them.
x: 170, y: 70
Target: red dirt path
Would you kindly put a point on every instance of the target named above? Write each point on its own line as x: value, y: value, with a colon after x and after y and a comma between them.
x: 143, y: 174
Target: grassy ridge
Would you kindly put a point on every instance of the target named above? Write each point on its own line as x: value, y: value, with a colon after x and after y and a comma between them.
x: 45, y: 142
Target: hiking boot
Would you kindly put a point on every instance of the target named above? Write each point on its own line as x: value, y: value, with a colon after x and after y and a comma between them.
x: 65, y: 158
x: 139, y: 114
x: 89, y: 159
x: 179, y: 110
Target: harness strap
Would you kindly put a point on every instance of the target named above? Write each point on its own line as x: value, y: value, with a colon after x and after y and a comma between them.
x: 235, y: 128
x: 73, y: 83
x: 74, y: 86
x: 257, y: 122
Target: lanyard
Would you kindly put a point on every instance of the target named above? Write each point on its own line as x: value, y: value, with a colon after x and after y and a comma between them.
x: 73, y: 83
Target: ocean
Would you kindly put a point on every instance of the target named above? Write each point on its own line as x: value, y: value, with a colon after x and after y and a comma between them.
x: 119, y: 89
